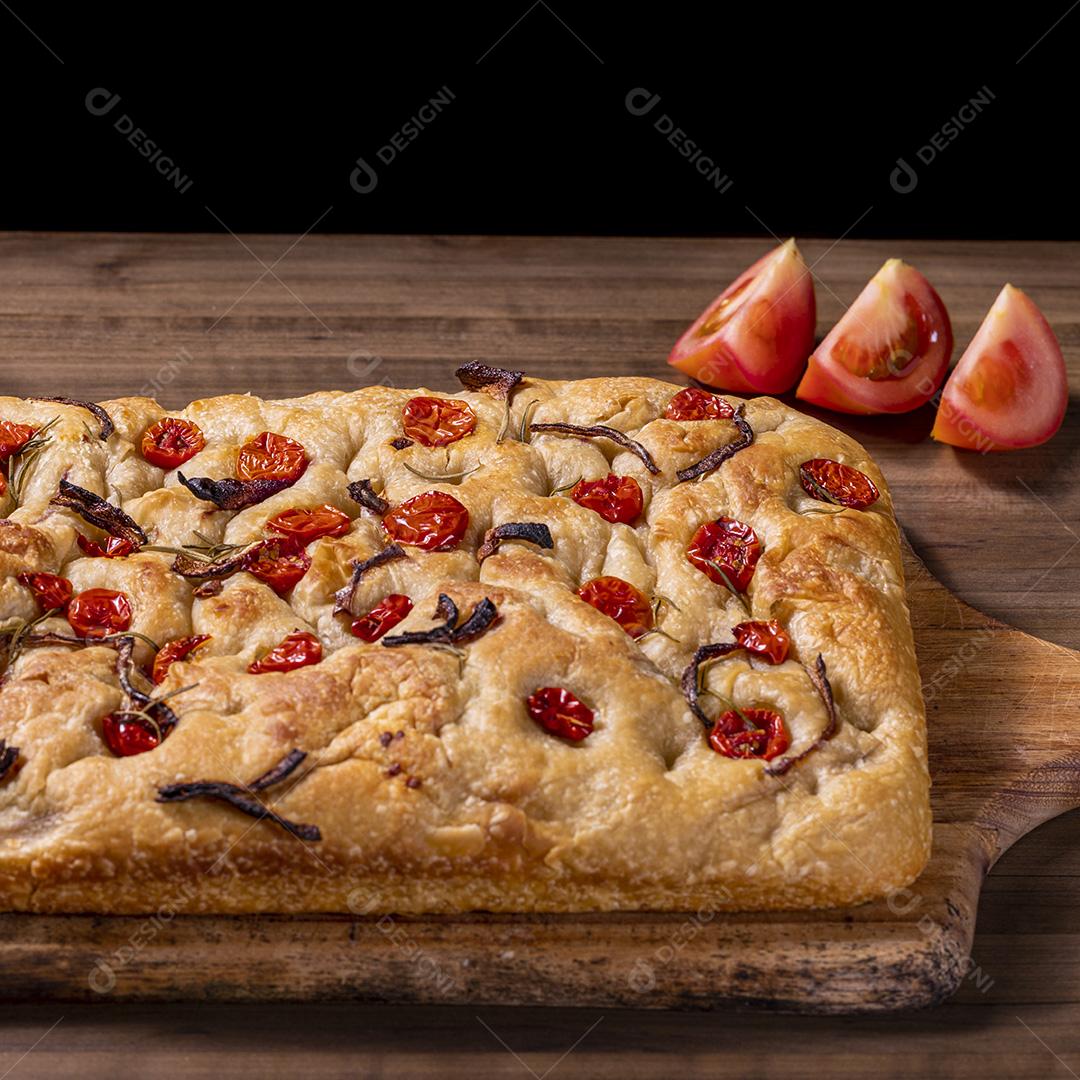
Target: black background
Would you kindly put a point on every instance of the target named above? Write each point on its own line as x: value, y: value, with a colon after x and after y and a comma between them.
x: 807, y: 109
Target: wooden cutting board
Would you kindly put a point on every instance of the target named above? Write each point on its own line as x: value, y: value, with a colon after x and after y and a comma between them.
x: 97, y: 316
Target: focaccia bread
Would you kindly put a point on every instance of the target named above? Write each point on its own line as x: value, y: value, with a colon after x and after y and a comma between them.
x: 738, y: 728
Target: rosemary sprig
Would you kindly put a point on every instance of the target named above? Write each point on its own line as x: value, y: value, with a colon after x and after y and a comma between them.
x: 443, y: 477
x: 526, y: 417
x: 567, y: 487
x: 730, y: 585
x: 26, y: 456
x: 505, y: 423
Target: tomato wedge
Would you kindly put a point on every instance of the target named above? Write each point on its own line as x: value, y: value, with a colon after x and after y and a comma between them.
x: 889, y: 351
x: 1010, y: 389
x: 756, y: 335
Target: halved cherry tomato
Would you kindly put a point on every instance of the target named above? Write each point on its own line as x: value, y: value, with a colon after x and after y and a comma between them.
x: 171, y: 651
x: 116, y: 547
x: 294, y: 651
x: 52, y: 593
x: 3, y: 485
x: 13, y: 437
x: 762, y: 735
x: 621, y: 601
x: 832, y: 481
x: 171, y: 441
x: 769, y: 640
x: 127, y: 735
x: 615, y: 498
x: 433, y: 521
x: 307, y: 525
x: 695, y: 404
x: 1010, y: 389
x: 889, y: 351
x: 278, y: 563
x: 433, y: 421
x: 725, y: 548
x: 557, y: 711
x: 385, y: 615
x: 96, y: 613
x: 756, y: 335
x: 271, y: 457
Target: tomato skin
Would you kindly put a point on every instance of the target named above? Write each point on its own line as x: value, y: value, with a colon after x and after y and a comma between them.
x: 558, y: 712
x: 126, y: 735
x: 731, y: 544
x: 294, y: 651
x: 269, y: 456
x: 767, y: 639
x: 433, y: 521
x: 621, y: 601
x: 756, y: 335
x: 766, y: 740
x: 1010, y: 389
x: 13, y: 437
x: 433, y: 421
x: 304, y: 526
x: 695, y: 404
x: 889, y: 351
x: 385, y: 615
x: 171, y: 441
x: 116, y: 547
x: 279, y: 564
x: 832, y: 481
x: 97, y: 613
x: 50, y: 591
x: 615, y: 498
x: 171, y: 651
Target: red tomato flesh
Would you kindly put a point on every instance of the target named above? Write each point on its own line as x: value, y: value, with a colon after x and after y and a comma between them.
x: 171, y: 651
x: 621, y: 601
x: 433, y: 421
x: 50, y: 592
x: 833, y: 482
x: 1010, y: 389
x: 756, y: 335
x: 304, y: 526
x: 13, y: 437
x: 558, y: 712
x: 889, y: 351
x: 433, y: 521
x: 116, y: 547
x: 171, y: 441
x: 385, y: 615
x: 126, y: 735
x: 615, y: 498
x: 695, y: 404
x: 769, y: 640
x: 764, y: 738
x: 725, y: 548
x: 96, y: 613
x: 295, y: 651
x: 271, y: 457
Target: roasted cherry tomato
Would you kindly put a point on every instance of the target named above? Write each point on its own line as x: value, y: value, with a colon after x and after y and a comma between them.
x: 385, y: 615
x: 761, y: 735
x: 307, y: 525
x: 171, y: 441
x: 278, y: 563
x: 756, y: 335
x: 695, y: 404
x: 557, y: 711
x: 619, y: 600
x: 433, y: 421
x: 13, y: 437
x: 1009, y: 389
x: 725, y: 548
x: 832, y: 481
x: 127, y: 735
x: 116, y: 547
x: 615, y: 498
x: 295, y: 651
x: 271, y: 457
x: 171, y: 651
x: 52, y: 593
x: 96, y: 613
x: 889, y: 351
x: 433, y: 521
x: 769, y: 640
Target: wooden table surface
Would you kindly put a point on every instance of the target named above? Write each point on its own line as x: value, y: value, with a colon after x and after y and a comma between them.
x: 186, y: 316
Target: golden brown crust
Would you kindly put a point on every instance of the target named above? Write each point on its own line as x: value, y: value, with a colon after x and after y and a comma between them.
x: 643, y: 814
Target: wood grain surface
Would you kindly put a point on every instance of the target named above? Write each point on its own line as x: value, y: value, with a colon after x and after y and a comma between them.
x: 189, y: 316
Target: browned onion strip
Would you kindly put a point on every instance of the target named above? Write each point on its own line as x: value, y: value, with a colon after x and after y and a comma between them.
x: 8, y: 756
x: 99, y: 512
x: 229, y: 494
x: 361, y: 491
x: 401, y: 443
x: 599, y: 431
x: 822, y: 685
x: 107, y: 426
x: 718, y: 457
x: 345, y: 596
x: 163, y: 716
x: 534, y: 532
x: 689, y: 680
x: 498, y: 382
x: 243, y: 799
x: 192, y: 566
x: 483, y: 617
